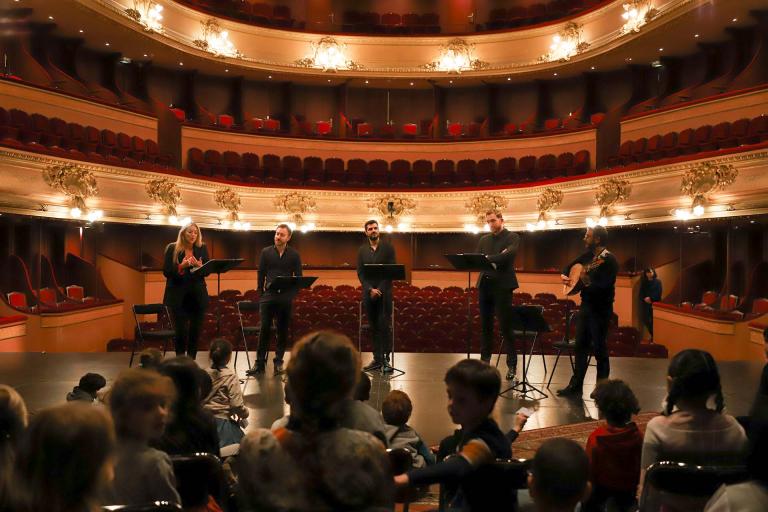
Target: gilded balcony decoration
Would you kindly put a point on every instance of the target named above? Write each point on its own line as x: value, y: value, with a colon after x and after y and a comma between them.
x: 636, y: 14
x: 547, y: 201
x: 165, y: 192
x: 479, y: 204
x: 297, y: 205
x: 701, y: 181
x: 75, y: 182
x: 148, y: 14
x: 328, y: 54
x: 565, y: 44
x: 392, y: 208
x: 215, y: 40
x: 456, y: 56
x: 611, y: 193
x: 229, y: 200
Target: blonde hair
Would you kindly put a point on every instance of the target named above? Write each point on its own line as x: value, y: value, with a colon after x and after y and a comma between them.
x: 179, y: 247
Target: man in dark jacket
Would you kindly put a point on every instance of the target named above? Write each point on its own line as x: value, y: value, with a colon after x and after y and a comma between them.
x: 598, y: 278
x: 496, y: 287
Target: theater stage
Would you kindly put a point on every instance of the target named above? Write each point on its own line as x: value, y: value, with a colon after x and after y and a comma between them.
x: 44, y: 380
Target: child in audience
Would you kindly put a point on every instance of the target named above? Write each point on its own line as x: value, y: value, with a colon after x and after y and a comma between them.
x: 192, y: 429
x: 65, y: 460
x: 140, y: 401
x: 13, y: 422
x: 225, y: 400
x: 614, y: 449
x: 688, y: 429
x: 472, y: 387
x: 396, y: 409
x: 557, y: 481
x: 88, y: 388
x: 150, y: 359
x: 357, y: 413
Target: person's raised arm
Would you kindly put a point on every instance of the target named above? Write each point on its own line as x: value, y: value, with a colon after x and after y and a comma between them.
x: 507, y: 255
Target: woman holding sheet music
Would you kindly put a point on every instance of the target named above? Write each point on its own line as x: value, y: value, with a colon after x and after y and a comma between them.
x: 185, y: 292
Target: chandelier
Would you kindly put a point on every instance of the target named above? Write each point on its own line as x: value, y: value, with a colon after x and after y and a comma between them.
x: 147, y: 14
x: 636, y: 14
x: 455, y: 57
x: 607, y: 196
x: 329, y: 55
x: 216, y: 41
x: 296, y: 205
x: 565, y: 44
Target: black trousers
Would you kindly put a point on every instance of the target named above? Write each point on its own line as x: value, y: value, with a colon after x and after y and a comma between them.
x: 496, y: 301
x: 647, y: 313
x: 379, y: 313
x: 279, y: 311
x: 188, y: 321
x: 591, y: 332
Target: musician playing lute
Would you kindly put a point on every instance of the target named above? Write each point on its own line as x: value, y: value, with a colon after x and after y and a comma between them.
x: 597, y: 280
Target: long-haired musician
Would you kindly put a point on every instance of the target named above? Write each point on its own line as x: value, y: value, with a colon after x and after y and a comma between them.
x: 598, y: 278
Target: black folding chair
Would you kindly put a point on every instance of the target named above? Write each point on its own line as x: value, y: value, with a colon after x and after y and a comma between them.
x: 247, y: 307
x: 679, y: 480
x: 567, y: 345
x: 165, y: 332
x: 158, y: 506
x: 197, y: 476
x: 400, y: 461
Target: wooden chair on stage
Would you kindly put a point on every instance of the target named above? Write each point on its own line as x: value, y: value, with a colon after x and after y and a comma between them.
x: 165, y: 322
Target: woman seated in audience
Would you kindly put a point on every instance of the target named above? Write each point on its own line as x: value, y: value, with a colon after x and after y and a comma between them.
x: 65, y: 460
x: 689, y: 430
x: 13, y: 422
x: 614, y: 448
x: 140, y: 401
x: 192, y: 429
x: 225, y: 400
x: 312, y: 464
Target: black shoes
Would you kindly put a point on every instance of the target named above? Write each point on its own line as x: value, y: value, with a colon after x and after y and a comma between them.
x: 570, y: 392
x: 511, y: 374
x: 259, y: 369
x: 373, y: 365
x: 387, y: 368
x: 279, y: 368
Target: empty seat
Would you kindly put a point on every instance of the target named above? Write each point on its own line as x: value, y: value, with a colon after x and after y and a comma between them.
x: 213, y: 159
x: 378, y: 171
x: 92, y: 140
x: 564, y: 164
x: 445, y: 173
x: 669, y: 144
x: 400, y: 173
x: 314, y: 174
x: 252, y: 172
x: 758, y: 130
x: 703, y: 139
x: 108, y: 142
x: 638, y: 150
x: 546, y: 167
x: 293, y: 170
x: 485, y: 173
x: 465, y: 172
x: 273, y: 171
x: 653, y: 148
x: 196, y: 162
x: 686, y: 142
x: 357, y: 172
x: 527, y: 167
x: 57, y: 132
x: 123, y: 147
x: 581, y: 163
x: 334, y: 171
x: 232, y: 165
x: 422, y: 173
x: 505, y: 172
x: 138, y: 148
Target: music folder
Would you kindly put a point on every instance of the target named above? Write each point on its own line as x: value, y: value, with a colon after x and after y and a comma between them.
x: 217, y: 266
x: 469, y: 261
x: 284, y: 283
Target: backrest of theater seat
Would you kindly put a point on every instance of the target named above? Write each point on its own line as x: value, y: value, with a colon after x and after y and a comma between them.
x: 709, y: 298
x: 721, y: 130
x: 250, y: 161
x: 38, y: 123
x: 728, y: 302
x: 669, y: 140
x: 231, y: 159
x: 486, y: 168
x: 19, y: 118
x: 654, y: 144
x: 740, y: 127
x: 17, y: 300
x: 686, y: 137
x: 760, y: 306
x: 75, y: 292
x: 703, y: 133
x: 357, y: 166
x: 212, y: 157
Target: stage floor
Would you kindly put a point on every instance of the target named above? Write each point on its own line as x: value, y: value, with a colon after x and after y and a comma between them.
x: 44, y: 380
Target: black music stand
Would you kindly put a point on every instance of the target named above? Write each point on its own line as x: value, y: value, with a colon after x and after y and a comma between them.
x: 528, y: 319
x: 387, y: 272
x: 469, y: 262
x: 217, y: 267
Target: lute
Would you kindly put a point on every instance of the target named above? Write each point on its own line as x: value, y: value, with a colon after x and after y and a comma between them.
x: 576, y: 285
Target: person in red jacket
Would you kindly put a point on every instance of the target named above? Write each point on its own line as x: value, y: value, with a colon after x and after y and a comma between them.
x: 614, y: 449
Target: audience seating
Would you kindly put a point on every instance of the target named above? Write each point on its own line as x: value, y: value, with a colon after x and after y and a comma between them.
x: 378, y: 173
x: 53, y: 136
x: 692, y: 140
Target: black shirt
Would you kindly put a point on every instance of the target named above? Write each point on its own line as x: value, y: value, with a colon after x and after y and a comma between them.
x: 384, y: 254
x: 272, y: 265
x: 501, y: 249
x: 602, y: 286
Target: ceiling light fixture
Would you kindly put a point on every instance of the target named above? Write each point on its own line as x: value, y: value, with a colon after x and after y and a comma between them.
x: 328, y: 54
x: 636, y: 14
x: 215, y: 40
x: 565, y: 44
x: 455, y: 57
x: 147, y: 13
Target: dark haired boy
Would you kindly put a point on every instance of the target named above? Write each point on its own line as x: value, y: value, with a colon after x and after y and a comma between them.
x: 87, y: 389
x: 614, y: 449
x: 558, y: 480
x: 472, y: 387
x: 396, y: 409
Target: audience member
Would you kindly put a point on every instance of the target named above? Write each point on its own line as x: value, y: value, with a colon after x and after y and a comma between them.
x: 65, y: 460
x: 650, y: 292
x: 314, y: 464
x: 282, y: 421
x: 13, y: 422
x: 396, y: 409
x: 689, y: 430
x: 192, y: 429
x: 357, y: 414
x: 140, y: 401
x: 225, y: 400
x: 88, y: 388
x: 473, y: 387
x: 750, y: 496
x: 150, y: 359
x: 614, y: 449
x: 558, y: 481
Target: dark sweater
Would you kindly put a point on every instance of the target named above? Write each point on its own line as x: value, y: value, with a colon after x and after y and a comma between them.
x: 384, y: 254
x: 602, y: 287
x: 272, y: 265
x: 501, y: 249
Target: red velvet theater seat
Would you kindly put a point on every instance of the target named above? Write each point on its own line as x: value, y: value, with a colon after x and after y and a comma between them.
x: 196, y: 162
x: 252, y: 172
x: 357, y: 172
x: 273, y: 171
x: 505, y: 172
x: 213, y: 160
x: 465, y: 172
x: 293, y: 170
x: 422, y: 173
x: 400, y: 173
x: 314, y: 174
x: 445, y: 173
x: 334, y: 172
x: 486, y: 171
x: 378, y: 173
x: 233, y: 166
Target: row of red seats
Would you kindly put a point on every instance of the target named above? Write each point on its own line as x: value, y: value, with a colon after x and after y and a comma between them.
x: 258, y: 13
x: 689, y: 141
x: 72, y: 140
x: 536, y: 13
x: 313, y: 171
x: 390, y: 23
